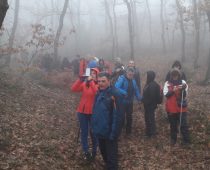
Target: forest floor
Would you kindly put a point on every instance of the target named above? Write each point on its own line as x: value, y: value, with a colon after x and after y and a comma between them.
x: 39, y: 127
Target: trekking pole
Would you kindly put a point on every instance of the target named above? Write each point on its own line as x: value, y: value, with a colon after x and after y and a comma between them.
x: 180, y: 116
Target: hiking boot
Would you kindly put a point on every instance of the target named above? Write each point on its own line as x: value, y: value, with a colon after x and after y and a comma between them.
x: 173, y: 142
x: 185, y: 144
x: 93, y: 156
x: 87, y: 157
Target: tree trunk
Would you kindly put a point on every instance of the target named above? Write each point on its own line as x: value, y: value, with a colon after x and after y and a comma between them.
x: 150, y: 22
x: 115, y: 30
x: 78, y: 23
x: 130, y: 27
x: 3, y: 10
x: 12, y: 35
x: 163, y: 28
x: 141, y: 29
x: 197, y: 32
x: 52, y: 17
x: 208, y: 70
x: 111, y: 27
x: 57, y: 37
x: 180, y: 13
x: 134, y: 23
x: 173, y: 32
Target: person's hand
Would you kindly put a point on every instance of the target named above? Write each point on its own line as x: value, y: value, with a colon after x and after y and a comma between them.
x: 175, y: 88
x: 89, y: 78
x: 184, y: 86
x: 118, y: 70
x: 82, y: 78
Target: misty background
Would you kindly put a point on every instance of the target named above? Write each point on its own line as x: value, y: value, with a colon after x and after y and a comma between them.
x: 101, y: 28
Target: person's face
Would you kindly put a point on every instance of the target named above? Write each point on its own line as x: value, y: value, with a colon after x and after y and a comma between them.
x: 103, y: 82
x: 93, y: 74
x: 175, y: 77
x: 131, y: 64
x: 130, y: 75
x: 177, y: 67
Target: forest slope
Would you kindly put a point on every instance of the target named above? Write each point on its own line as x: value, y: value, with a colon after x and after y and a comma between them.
x: 38, y: 130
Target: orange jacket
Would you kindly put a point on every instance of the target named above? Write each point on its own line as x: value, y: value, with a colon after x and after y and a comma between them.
x: 88, y: 95
x: 171, y: 102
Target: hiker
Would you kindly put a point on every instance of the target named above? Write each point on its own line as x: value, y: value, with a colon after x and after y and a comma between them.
x: 151, y: 98
x: 101, y: 65
x: 175, y: 91
x: 92, y: 62
x: 131, y: 64
x: 82, y: 66
x: 177, y: 65
x: 128, y: 87
x: 76, y: 65
x: 106, y: 120
x: 65, y: 63
x: 88, y: 86
x: 119, y: 70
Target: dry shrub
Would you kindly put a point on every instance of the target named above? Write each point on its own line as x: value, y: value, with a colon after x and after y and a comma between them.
x: 60, y: 79
x: 53, y: 79
x: 34, y: 73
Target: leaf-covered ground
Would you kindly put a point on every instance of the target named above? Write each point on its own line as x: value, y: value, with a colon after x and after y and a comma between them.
x: 39, y: 127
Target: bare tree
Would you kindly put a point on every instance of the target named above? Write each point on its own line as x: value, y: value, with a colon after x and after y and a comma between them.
x: 57, y: 37
x: 163, y: 27
x: 207, y: 77
x: 150, y: 22
x: 12, y: 35
x: 78, y: 13
x: 180, y: 13
x: 107, y: 9
x: 115, y: 29
x: 130, y: 27
x: 197, y: 32
x: 135, y: 21
x: 3, y: 10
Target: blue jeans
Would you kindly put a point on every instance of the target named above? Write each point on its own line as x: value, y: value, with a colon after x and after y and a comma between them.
x: 85, y: 127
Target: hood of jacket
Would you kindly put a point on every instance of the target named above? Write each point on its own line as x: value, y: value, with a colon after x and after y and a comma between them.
x: 150, y: 76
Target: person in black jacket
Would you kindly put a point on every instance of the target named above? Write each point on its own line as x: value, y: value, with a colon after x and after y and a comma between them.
x: 75, y: 65
x: 151, y: 98
x: 177, y: 65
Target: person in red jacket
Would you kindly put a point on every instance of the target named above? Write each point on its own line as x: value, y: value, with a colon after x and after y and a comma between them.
x: 175, y: 90
x: 88, y: 87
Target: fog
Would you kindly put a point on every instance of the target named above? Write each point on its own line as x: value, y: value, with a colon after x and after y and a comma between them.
x: 87, y: 29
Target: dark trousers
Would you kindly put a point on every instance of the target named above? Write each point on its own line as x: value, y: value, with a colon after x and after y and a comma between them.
x: 127, y: 117
x: 174, y: 120
x: 85, y: 124
x: 149, y: 117
x: 109, y: 152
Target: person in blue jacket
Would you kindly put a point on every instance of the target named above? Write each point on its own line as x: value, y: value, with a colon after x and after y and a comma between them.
x: 128, y: 88
x: 106, y: 120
